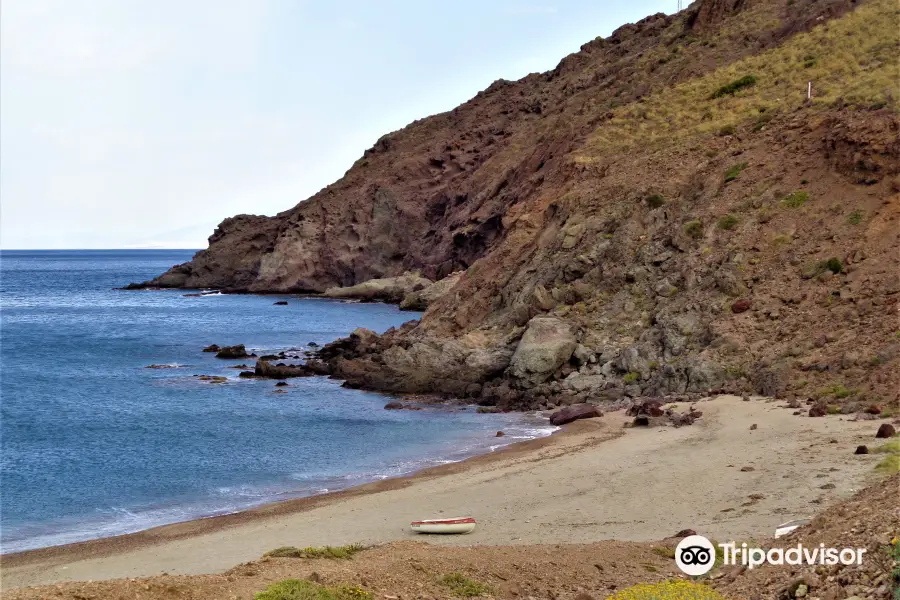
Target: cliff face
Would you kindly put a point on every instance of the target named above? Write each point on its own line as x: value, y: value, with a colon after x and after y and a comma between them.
x: 667, y: 204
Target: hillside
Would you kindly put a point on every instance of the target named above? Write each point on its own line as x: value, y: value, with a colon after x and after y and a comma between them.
x: 663, y: 213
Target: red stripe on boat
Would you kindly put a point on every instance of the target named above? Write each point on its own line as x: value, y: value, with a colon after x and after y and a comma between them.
x: 444, y: 521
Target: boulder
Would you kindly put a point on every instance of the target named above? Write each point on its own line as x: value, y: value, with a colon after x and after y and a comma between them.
x: 885, y: 431
x: 819, y: 409
x: 280, y: 303
x: 573, y: 413
x: 862, y: 450
x: 212, y: 348
x: 740, y: 306
x: 237, y: 351
x: 547, y: 344
x: 393, y: 405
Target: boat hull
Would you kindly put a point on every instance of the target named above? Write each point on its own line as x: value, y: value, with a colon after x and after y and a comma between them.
x: 444, y: 526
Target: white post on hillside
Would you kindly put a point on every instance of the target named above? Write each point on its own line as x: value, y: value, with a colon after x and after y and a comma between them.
x: 809, y: 91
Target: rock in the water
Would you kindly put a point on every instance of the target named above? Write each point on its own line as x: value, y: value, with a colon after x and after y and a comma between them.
x: 885, y: 431
x: 573, y: 413
x: 211, y: 348
x: 280, y: 371
x: 546, y: 345
x: 393, y: 406
x: 282, y: 384
x: 212, y: 378
x: 280, y: 303
x: 238, y: 351
x: 500, y: 434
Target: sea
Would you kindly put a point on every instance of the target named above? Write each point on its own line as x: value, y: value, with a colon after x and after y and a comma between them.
x: 95, y: 444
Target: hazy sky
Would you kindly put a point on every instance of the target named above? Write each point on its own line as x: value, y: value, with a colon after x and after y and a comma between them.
x: 144, y: 123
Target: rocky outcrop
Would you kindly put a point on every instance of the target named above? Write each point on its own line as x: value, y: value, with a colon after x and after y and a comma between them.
x: 422, y: 299
x: 609, y: 248
x: 389, y: 289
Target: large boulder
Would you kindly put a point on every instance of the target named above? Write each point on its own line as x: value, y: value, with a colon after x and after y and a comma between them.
x: 573, y: 413
x: 547, y: 344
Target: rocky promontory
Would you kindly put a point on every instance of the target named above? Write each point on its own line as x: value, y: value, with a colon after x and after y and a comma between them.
x: 664, y: 213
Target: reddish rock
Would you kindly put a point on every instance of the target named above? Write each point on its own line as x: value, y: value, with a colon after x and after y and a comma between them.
x: 573, y: 413
x: 685, y: 533
x: 885, y: 431
x: 500, y: 434
x: 873, y: 409
x: 741, y: 305
x: 862, y: 450
x: 747, y: 469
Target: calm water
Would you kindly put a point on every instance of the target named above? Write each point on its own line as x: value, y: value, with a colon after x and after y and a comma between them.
x: 95, y: 444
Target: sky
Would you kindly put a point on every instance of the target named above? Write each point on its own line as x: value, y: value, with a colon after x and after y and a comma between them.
x: 144, y: 123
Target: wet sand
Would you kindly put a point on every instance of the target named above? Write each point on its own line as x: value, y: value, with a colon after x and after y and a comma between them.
x: 597, y: 480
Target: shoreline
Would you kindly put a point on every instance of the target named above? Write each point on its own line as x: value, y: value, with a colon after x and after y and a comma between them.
x: 99, y: 547
x: 595, y: 480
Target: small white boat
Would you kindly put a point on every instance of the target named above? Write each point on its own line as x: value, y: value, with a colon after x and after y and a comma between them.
x: 786, y: 528
x: 451, y: 525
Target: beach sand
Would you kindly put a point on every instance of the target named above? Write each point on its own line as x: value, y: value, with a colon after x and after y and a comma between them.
x: 597, y: 480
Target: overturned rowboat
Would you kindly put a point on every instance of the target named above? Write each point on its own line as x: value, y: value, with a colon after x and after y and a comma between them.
x: 786, y: 528
x: 452, y: 525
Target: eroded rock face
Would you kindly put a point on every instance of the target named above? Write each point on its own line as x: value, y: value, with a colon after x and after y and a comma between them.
x: 547, y: 344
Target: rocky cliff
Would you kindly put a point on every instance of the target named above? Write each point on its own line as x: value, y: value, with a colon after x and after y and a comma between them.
x: 666, y: 212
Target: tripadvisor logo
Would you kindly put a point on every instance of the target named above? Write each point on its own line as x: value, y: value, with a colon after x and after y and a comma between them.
x: 695, y: 555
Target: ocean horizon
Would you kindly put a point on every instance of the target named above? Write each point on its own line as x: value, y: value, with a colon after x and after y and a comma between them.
x: 96, y: 444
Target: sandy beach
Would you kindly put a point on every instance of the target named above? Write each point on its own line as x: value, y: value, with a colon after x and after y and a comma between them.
x: 597, y: 480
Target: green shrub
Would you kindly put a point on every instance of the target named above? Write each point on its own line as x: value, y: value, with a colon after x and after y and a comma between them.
x: 795, y: 199
x: 299, y: 589
x: 464, y: 587
x: 728, y: 222
x: 889, y: 465
x: 733, y: 171
x: 655, y: 201
x: 833, y: 265
x: 694, y: 228
x: 729, y: 89
x: 856, y: 217
x: 726, y: 130
x: 339, y: 552
x: 631, y: 377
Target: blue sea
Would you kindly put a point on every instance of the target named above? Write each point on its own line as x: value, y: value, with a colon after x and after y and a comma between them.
x: 95, y: 444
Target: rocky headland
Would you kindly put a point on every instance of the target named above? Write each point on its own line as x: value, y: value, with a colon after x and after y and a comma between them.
x: 666, y: 213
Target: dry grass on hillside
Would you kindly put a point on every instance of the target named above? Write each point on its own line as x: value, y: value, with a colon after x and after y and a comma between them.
x: 852, y: 60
